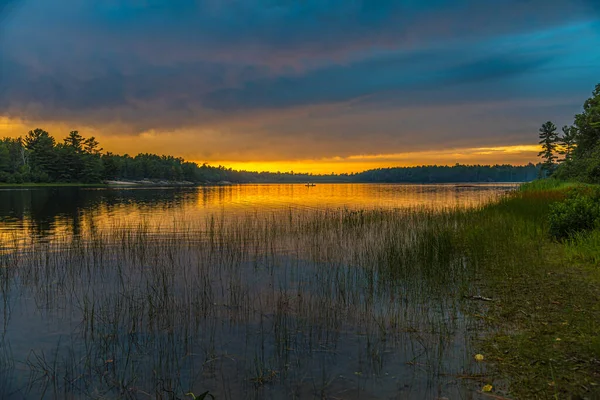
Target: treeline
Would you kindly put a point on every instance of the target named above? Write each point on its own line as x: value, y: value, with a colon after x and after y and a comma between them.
x: 419, y: 174
x: 574, y: 154
x: 446, y: 174
x: 39, y: 158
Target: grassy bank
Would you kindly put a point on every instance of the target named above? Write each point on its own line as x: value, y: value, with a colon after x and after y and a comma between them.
x: 543, y: 325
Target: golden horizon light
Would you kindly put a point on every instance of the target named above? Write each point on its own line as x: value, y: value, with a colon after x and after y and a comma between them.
x: 515, y: 155
x: 150, y: 142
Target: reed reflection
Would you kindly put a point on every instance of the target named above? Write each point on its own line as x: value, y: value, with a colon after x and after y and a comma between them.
x: 40, y: 213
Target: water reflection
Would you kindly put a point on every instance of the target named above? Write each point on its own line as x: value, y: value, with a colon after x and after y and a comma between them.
x: 41, y: 213
x: 304, y: 304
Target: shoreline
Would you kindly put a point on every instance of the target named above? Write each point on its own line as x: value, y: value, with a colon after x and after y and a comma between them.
x: 159, y: 184
x: 538, y: 331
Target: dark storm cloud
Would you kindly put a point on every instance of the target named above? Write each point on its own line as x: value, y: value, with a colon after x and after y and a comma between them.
x: 164, y: 65
x: 317, y: 25
x: 404, y: 74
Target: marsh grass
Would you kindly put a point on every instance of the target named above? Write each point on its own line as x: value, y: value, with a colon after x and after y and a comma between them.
x: 584, y: 247
x: 293, y: 304
x: 545, y: 185
x: 267, y: 304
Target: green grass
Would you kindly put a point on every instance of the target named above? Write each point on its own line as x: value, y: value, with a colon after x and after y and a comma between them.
x: 584, y: 248
x: 548, y: 184
x: 542, y: 337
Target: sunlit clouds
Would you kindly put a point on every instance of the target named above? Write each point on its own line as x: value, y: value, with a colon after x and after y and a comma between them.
x: 517, y: 155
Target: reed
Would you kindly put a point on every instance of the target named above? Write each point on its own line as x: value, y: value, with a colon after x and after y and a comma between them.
x: 294, y: 303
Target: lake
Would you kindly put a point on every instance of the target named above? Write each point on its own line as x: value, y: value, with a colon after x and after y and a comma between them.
x: 249, y: 291
x: 43, y: 212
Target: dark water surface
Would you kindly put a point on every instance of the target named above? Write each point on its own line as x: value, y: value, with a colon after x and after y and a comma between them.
x: 254, y: 291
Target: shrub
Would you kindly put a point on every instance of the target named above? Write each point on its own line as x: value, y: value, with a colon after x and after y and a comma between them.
x: 26, y: 177
x: 15, y: 178
x: 40, y: 177
x: 593, y: 171
x: 579, y: 212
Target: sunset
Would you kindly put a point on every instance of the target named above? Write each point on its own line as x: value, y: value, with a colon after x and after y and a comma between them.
x: 300, y: 199
x: 175, y: 143
x: 317, y: 86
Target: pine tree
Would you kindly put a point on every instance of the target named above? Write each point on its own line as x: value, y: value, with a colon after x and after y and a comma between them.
x: 75, y: 140
x: 588, y: 125
x: 91, y: 146
x: 548, y: 140
x: 43, y: 158
x: 567, y: 142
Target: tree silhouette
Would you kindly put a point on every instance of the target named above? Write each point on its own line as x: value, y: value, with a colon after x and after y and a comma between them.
x: 588, y: 124
x: 567, y: 142
x: 548, y: 140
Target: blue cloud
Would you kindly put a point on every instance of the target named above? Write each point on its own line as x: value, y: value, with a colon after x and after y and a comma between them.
x: 404, y: 73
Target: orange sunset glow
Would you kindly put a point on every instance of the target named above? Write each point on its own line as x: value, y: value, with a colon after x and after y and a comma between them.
x: 516, y: 155
x: 151, y: 142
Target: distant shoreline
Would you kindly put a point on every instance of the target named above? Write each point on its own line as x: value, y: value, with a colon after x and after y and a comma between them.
x: 146, y: 182
x: 178, y: 184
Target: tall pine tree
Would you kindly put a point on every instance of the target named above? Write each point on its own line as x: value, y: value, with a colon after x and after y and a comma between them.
x: 567, y: 142
x: 43, y: 158
x: 548, y: 140
x: 588, y: 124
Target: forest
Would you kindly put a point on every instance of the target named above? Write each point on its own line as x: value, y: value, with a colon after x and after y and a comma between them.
x: 574, y: 155
x: 40, y: 158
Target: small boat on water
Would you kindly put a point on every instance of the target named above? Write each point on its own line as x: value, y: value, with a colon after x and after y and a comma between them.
x: 310, y: 184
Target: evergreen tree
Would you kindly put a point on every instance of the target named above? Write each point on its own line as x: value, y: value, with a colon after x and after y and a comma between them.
x: 42, y: 156
x: 4, y: 157
x: 588, y: 124
x: 91, y: 146
x: 75, y: 140
x: 567, y: 142
x: 93, y: 169
x: 548, y: 139
x: 69, y: 163
x: 583, y: 162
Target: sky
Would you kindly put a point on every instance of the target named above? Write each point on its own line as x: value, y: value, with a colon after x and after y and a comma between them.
x: 306, y: 85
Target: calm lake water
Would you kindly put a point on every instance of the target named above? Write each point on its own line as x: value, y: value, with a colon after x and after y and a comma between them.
x: 42, y: 212
x: 250, y: 291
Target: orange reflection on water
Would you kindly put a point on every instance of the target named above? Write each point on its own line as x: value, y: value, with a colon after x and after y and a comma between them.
x: 45, y: 212
x: 269, y: 197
